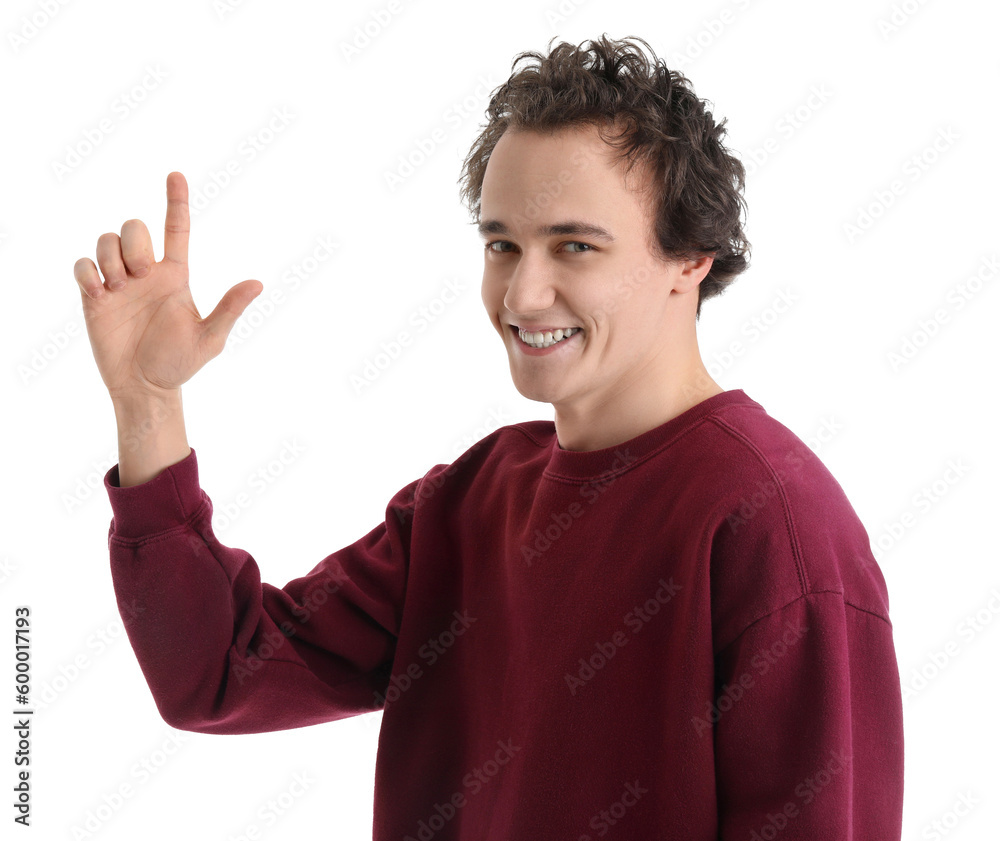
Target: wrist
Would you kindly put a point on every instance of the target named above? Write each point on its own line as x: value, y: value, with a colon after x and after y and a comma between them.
x: 142, y: 401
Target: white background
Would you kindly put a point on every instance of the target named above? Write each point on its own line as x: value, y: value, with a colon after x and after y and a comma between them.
x: 892, y: 82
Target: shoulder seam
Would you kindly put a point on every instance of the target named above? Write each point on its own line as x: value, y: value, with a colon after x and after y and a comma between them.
x: 789, y: 522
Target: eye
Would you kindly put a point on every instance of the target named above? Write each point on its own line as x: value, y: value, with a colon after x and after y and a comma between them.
x: 489, y: 246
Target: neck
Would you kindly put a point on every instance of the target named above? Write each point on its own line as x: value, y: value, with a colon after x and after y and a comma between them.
x: 633, y: 408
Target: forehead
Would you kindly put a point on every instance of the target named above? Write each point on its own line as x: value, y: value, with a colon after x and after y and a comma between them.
x: 570, y: 165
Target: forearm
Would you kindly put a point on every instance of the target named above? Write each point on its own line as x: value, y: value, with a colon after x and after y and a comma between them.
x: 223, y: 652
x: 151, y: 435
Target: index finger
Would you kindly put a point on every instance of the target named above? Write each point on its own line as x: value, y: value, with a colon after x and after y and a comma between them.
x: 178, y: 224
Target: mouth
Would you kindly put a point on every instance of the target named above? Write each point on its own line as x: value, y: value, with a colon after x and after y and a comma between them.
x: 542, y: 339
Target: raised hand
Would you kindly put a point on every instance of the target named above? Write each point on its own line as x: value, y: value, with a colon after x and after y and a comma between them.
x: 144, y: 329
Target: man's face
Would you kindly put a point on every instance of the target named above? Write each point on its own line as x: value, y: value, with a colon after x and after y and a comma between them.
x: 624, y: 301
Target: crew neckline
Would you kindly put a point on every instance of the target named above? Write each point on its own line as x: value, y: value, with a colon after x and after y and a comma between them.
x: 577, y: 464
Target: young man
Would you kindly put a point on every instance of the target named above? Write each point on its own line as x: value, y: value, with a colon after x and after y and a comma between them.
x: 657, y: 616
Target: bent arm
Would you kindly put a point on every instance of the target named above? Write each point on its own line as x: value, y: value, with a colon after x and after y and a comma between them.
x: 223, y: 652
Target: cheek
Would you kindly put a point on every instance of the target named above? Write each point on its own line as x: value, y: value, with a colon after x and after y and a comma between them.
x: 492, y: 302
x: 624, y: 326
x: 489, y: 296
x: 642, y: 306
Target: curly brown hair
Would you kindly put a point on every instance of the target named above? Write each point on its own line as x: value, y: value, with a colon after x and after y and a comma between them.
x: 697, y: 185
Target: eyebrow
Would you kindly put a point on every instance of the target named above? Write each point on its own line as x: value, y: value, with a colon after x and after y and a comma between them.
x: 571, y: 227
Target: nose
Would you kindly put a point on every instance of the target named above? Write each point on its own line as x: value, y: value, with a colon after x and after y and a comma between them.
x: 531, y: 287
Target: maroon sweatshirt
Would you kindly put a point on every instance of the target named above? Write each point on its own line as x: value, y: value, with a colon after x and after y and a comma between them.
x: 684, y: 636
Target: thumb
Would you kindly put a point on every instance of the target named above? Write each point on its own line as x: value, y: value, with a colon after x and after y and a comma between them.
x: 221, y: 320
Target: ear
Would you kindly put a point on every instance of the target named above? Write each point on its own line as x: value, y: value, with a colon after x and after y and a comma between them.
x: 692, y: 272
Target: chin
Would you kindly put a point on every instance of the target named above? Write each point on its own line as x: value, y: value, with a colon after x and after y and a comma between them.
x: 535, y: 391
x: 536, y: 396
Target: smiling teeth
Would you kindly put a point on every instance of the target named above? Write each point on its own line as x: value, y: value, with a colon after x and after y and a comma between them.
x: 548, y: 338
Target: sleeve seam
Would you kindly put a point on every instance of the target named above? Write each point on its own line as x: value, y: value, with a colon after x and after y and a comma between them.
x: 861, y: 609
x: 799, y: 598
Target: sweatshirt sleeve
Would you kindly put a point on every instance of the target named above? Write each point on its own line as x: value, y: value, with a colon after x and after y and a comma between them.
x: 809, y: 736
x: 223, y: 652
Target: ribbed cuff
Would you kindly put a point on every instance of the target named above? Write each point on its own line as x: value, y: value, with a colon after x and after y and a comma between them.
x: 164, y: 502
